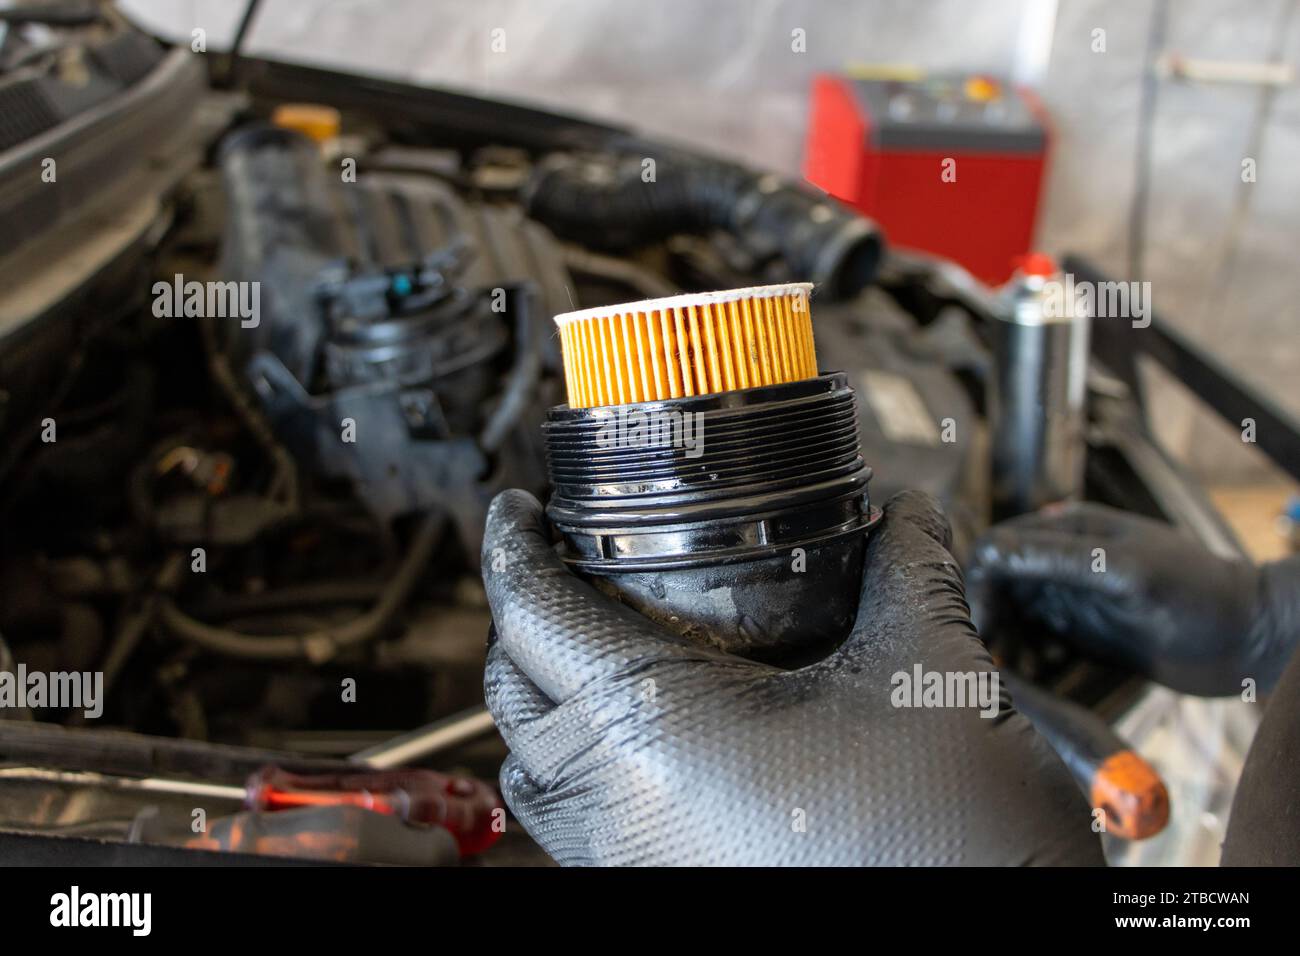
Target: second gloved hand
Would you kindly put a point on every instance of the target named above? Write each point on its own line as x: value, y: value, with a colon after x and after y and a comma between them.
x: 1138, y: 593
x: 631, y: 746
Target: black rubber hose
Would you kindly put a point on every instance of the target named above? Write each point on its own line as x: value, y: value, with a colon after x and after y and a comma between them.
x: 611, y: 202
x: 317, y: 594
x: 522, y: 379
x: 322, y: 645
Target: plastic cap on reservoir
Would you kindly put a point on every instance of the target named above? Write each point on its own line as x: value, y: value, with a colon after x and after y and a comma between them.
x: 1037, y: 264
x: 315, y: 121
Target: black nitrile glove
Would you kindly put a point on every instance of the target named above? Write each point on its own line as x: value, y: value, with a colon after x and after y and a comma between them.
x: 1163, y: 606
x: 631, y: 746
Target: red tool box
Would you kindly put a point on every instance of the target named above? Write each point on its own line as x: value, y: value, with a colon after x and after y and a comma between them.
x: 950, y: 165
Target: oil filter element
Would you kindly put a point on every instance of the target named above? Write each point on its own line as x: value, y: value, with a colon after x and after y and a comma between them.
x: 705, y: 474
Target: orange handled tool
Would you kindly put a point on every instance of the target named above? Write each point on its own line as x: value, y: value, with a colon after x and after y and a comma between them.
x: 1116, y: 780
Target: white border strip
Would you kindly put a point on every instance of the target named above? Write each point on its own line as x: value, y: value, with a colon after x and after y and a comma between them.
x: 689, y: 299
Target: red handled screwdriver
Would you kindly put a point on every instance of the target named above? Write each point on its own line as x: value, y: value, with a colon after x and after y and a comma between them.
x: 469, y: 809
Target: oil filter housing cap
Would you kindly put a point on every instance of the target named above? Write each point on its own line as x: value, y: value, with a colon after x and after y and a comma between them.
x: 736, y: 517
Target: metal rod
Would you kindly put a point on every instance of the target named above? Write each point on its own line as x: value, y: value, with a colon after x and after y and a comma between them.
x: 427, y: 740
x: 241, y: 34
x: 83, y: 778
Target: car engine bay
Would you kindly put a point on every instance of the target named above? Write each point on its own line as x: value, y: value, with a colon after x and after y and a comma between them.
x: 280, y: 336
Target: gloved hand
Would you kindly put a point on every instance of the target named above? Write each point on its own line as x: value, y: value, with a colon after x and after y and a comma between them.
x: 1164, y: 606
x: 632, y: 746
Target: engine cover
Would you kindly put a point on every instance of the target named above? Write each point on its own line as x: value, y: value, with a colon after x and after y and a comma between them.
x: 402, y: 336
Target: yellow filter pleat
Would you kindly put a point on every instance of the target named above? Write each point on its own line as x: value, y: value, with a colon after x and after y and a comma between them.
x: 782, y: 350
x: 764, y: 344
x: 724, y: 341
x: 604, y: 366
x: 570, y: 368
x: 752, y: 344
x: 672, y: 369
x: 683, y: 354
x: 738, y: 338
x: 586, y: 340
x: 687, y: 345
x: 785, y: 335
x: 626, y: 358
x: 705, y: 362
x: 658, y: 377
x: 642, y: 351
x: 792, y: 319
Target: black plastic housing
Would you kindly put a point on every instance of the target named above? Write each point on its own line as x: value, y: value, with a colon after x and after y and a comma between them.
x: 738, y: 518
